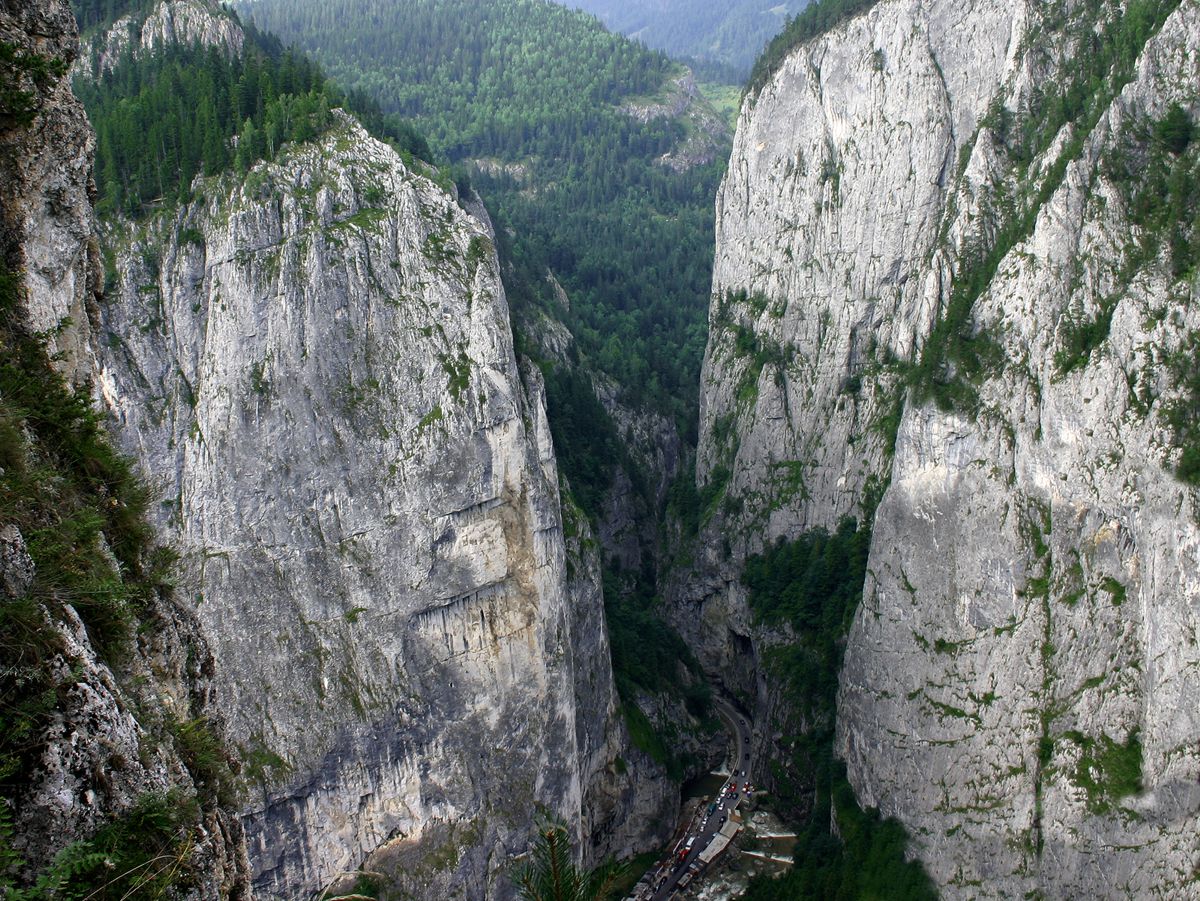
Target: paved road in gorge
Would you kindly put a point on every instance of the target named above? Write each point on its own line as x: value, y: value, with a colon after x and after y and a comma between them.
x: 706, y: 824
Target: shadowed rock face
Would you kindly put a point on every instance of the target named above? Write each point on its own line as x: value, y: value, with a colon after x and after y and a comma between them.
x: 46, y: 220
x: 107, y: 747
x: 1029, y: 612
x: 317, y: 365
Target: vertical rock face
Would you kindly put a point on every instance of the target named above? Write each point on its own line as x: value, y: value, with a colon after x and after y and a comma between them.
x: 832, y: 253
x: 829, y: 260
x: 317, y: 364
x: 1018, y: 683
x: 46, y: 149
x: 1041, y: 632
x: 108, y: 744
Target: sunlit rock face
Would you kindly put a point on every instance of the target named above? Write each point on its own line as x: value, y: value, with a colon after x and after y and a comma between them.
x: 315, y: 361
x: 1019, y: 683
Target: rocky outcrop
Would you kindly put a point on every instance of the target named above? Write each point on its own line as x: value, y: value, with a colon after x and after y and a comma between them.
x: 46, y: 149
x: 205, y: 23
x: 93, y: 734
x: 316, y: 362
x: 1016, y: 683
x: 706, y: 133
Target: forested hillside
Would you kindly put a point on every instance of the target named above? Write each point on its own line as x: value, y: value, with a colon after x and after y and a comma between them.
x: 729, y: 33
x: 164, y: 120
x: 92, y: 14
x: 532, y: 91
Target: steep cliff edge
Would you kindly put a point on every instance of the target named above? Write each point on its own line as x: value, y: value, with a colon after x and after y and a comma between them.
x: 113, y: 778
x: 46, y: 219
x: 1041, y: 735
x: 316, y: 361
x: 955, y: 255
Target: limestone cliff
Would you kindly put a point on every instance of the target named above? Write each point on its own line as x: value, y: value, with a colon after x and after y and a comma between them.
x: 46, y: 220
x: 929, y: 274
x: 207, y: 23
x: 316, y: 362
x: 106, y: 683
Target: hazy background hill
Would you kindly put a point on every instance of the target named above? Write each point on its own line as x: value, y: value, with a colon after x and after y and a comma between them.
x: 729, y: 33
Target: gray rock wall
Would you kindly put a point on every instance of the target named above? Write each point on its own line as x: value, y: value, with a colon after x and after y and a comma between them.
x: 1032, y: 596
x: 316, y: 362
x: 108, y: 743
x: 1028, y: 613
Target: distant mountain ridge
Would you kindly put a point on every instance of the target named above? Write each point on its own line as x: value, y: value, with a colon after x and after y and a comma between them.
x: 729, y: 33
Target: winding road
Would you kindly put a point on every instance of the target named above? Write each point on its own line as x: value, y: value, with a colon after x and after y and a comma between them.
x: 709, y: 819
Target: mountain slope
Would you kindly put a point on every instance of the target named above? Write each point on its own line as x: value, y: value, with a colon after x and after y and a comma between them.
x: 729, y: 33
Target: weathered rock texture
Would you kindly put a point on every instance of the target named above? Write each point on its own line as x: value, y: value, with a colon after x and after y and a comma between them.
x: 111, y: 743
x: 108, y: 744
x: 46, y: 148
x: 317, y: 364
x: 1030, y: 607
x: 201, y: 22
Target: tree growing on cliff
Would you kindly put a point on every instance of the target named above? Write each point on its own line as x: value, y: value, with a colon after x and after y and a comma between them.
x: 551, y: 874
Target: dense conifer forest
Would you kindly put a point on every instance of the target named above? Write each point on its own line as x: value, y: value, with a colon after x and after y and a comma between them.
x: 163, y: 120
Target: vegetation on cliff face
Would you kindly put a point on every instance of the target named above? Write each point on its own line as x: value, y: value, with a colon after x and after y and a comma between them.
x: 82, y: 515
x: 23, y: 74
x: 958, y: 356
x: 810, y: 588
x: 541, y: 101
x: 186, y: 111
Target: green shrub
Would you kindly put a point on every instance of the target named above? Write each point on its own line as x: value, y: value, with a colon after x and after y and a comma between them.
x: 1108, y: 770
x: 1175, y: 130
x: 203, y: 753
x: 144, y: 853
x: 1081, y: 336
x: 1183, y: 414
